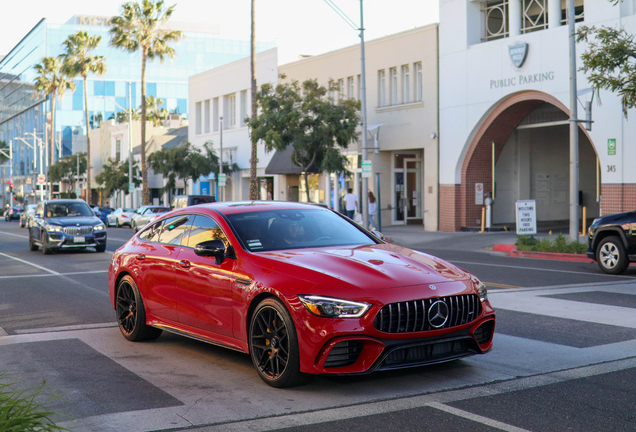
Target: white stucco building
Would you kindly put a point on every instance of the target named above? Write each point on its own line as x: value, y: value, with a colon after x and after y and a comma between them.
x: 505, y: 94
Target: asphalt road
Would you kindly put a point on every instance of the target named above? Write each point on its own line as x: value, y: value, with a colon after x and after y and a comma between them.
x: 564, y: 357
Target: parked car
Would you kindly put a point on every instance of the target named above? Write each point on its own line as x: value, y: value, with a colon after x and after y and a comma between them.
x: 300, y: 288
x: 12, y: 213
x: 120, y: 217
x: 612, y: 242
x: 181, y: 201
x: 101, y: 212
x: 65, y: 224
x: 145, y: 214
x: 26, y: 215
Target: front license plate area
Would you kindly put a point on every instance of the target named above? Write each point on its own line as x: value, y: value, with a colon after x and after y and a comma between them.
x: 79, y: 239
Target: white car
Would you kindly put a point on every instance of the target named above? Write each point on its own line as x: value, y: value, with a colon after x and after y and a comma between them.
x: 120, y: 217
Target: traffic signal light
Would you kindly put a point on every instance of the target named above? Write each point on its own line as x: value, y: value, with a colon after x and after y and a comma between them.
x: 10, y: 186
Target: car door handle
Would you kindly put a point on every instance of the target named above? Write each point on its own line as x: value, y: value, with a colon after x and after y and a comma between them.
x: 184, y: 263
x: 140, y: 257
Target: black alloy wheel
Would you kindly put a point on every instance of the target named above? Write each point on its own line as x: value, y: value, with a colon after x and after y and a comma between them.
x: 611, y: 256
x: 274, y: 345
x: 117, y: 222
x: 131, y: 315
x: 32, y: 245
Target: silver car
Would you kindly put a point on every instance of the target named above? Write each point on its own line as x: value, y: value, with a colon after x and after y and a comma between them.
x: 26, y: 215
x: 120, y: 217
x: 145, y: 214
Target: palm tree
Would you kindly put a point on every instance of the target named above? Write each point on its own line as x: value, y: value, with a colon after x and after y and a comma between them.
x: 253, y: 185
x: 155, y: 114
x: 142, y: 27
x: 78, y: 61
x: 50, y: 80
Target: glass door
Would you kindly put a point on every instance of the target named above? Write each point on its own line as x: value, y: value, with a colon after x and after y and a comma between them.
x: 412, y: 199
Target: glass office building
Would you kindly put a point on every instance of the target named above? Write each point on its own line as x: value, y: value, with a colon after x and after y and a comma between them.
x: 23, y: 112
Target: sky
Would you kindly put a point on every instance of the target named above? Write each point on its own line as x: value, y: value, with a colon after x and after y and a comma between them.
x: 298, y: 27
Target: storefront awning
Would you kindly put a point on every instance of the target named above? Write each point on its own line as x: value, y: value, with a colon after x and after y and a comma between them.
x: 281, y: 163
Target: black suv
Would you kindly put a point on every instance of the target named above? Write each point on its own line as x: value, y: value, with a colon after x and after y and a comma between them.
x: 612, y: 241
x: 65, y: 224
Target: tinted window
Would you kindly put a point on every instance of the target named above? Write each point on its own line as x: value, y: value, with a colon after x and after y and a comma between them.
x: 175, y: 230
x: 66, y: 209
x: 152, y: 232
x: 293, y: 229
x: 159, y: 210
x: 204, y: 229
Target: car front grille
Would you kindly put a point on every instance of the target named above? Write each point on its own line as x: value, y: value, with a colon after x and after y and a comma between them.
x: 414, y: 316
x: 435, y: 352
x: 343, y: 354
x: 82, y: 230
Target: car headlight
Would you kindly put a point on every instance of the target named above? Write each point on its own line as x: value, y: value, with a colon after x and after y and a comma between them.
x: 482, y: 291
x: 53, y: 228
x: 99, y: 227
x: 333, y: 308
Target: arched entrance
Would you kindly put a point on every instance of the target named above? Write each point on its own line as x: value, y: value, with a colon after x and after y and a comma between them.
x: 530, y: 132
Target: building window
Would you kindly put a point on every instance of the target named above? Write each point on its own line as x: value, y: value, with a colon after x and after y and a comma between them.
x: 243, y: 107
x: 340, y: 90
x: 534, y: 16
x: 579, y: 14
x: 496, y: 17
x: 206, y: 116
x: 118, y: 148
x: 394, y: 86
x: 350, y: 88
x: 418, y: 82
x: 406, y: 84
x: 197, y: 117
x: 230, y: 110
x: 215, y: 114
x: 381, y: 88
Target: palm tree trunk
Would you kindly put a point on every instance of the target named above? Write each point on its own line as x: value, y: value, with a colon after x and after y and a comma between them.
x: 306, y: 186
x: 52, y: 141
x: 144, y: 169
x: 254, y: 160
x: 89, y: 195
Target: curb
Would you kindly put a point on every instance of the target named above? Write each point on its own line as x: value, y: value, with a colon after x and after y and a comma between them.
x: 512, y: 249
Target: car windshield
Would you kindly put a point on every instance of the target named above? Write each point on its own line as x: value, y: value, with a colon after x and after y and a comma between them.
x: 127, y: 210
x: 159, y: 210
x: 295, y: 229
x: 62, y: 209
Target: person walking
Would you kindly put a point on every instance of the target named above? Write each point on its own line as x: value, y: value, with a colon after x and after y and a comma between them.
x: 373, y: 209
x: 351, y: 203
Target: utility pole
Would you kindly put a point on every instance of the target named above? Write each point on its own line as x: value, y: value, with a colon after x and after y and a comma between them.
x: 363, y: 102
x: 574, y: 129
x: 221, y: 188
x: 131, y: 183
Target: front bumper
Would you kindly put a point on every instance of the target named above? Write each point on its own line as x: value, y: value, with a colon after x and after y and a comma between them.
x: 60, y: 240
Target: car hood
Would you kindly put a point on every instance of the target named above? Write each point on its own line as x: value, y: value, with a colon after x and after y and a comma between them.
x: 73, y: 220
x: 368, y: 267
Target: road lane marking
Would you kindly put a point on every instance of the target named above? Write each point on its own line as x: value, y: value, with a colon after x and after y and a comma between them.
x: 67, y: 328
x: 14, y: 235
x: 31, y: 264
x: 476, y: 418
x: 498, y: 285
x: 537, y: 269
x: 51, y: 275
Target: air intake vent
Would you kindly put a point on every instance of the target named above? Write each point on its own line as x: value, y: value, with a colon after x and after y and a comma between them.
x: 483, y: 334
x: 417, y: 315
x: 344, y: 354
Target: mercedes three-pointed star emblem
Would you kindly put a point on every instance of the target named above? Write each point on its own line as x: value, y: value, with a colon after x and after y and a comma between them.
x: 438, y: 314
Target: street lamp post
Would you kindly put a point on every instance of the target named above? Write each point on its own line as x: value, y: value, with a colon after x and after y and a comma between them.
x: 574, y: 129
x: 221, y: 188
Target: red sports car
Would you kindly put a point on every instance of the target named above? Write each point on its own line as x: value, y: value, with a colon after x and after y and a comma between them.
x: 300, y: 288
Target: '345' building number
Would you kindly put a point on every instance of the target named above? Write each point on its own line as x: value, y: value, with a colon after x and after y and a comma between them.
x: 611, y: 168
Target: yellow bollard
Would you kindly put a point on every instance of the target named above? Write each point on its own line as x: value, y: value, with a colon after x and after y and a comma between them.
x: 483, y: 219
x: 584, y: 221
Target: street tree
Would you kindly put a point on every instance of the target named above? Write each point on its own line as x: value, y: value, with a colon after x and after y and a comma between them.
x: 183, y: 162
x: 78, y: 61
x: 66, y: 169
x: 303, y: 116
x: 123, y: 117
x: 114, y: 177
x: 142, y: 27
x: 156, y: 114
x: 51, y: 80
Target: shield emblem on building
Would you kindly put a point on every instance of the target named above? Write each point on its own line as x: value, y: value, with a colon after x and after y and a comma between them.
x: 518, y: 53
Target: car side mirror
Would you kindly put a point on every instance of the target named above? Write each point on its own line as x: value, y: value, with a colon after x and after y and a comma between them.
x: 215, y: 248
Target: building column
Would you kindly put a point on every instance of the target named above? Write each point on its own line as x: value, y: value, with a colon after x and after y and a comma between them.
x: 515, y: 14
x: 554, y: 13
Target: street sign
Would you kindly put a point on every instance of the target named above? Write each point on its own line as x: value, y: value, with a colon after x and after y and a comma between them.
x: 131, y: 187
x: 479, y: 194
x: 611, y: 147
x: 526, y: 217
x: 41, y: 179
x: 366, y: 168
x: 221, y: 179
x: 78, y: 192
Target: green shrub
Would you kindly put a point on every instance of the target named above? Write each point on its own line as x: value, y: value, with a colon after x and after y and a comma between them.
x: 559, y: 245
x: 21, y: 411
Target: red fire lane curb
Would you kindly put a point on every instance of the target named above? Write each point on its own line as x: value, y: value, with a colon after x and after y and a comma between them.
x: 540, y: 255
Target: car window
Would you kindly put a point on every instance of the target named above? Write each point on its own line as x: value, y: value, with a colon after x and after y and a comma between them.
x: 205, y: 229
x: 151, y: 233
x: 158, y: 210
x: 66, y: 209
x: 128, y: 210
x: 293, y: 229
x: 175, y: 230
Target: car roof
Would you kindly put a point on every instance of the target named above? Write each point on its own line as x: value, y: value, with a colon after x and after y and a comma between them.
x: 234, y: 207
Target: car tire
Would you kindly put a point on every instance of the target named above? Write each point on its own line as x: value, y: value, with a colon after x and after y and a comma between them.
x: 117, y: 223
x: 274, y: 345
x: 100, y: 248
x: 611, y: 256
x: 46, y: 249
x: 134, y: 226
x: 131, y: 315
x: 32, y: 246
